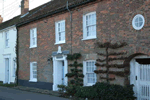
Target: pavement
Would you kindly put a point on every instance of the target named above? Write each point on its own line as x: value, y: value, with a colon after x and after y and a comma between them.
x: 13, y: 94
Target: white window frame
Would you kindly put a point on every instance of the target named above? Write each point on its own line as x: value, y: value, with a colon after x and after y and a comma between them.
x: 85, y: 37
x: 57, y: 41
x: 31, y: 72
x: 7, y: 39
x: 31, y: 38
x: 85, y: 73
x: 133, y: 22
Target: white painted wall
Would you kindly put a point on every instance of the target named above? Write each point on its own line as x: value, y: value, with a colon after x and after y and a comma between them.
x: 7, y: 51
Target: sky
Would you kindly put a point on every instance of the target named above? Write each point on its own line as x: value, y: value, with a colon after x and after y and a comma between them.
x: 12, y: 7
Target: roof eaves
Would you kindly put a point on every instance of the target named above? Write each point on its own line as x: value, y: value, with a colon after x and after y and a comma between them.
x: 53, y: 12
x: 7, y: 28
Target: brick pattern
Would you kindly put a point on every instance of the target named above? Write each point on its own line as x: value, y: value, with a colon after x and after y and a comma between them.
x: 114, y: 23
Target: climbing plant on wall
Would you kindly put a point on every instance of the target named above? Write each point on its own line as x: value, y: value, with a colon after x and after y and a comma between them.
x: 110, y: 56
x: 76, y: 74
x: 17, y: 61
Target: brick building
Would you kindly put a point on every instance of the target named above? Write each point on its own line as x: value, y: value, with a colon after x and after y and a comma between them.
x: 58, y: 28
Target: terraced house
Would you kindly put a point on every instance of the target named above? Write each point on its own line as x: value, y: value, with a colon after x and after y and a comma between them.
x: 8, y: 34
x: 49, y: 32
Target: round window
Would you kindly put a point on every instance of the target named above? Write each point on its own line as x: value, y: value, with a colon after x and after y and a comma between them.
x: 138, y: 22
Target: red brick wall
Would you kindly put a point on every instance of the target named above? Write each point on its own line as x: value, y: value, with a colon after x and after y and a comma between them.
x: 114, y: 23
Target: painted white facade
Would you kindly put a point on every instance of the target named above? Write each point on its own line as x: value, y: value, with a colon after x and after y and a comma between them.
x: 139, y: 76
x: 7, y: 53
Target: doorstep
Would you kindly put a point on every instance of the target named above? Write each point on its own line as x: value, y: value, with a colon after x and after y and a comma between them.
x: 37, y: 90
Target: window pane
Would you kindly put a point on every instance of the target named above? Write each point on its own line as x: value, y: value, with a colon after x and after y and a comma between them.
x: 34, y: 72
x: 58, y: 25
x: 87, y: 20
x: 93, y: 19
x: 32, y: 33
x: 6, y: 42
x: 140, y: 19
x: 62, y: 26
x: 140, y: 24
x: 33, y: 41
x: 88, y: 29
x: 34, y: 76
x: 90, y: 19
x: 136, y: 20
x: 34, y: 67
x: 34, y: 64
x: 136, y: 24
x: 90, y: 64
x: 63, y: 36
x: 87, y: 63
x: 88, y: 69
x: 93, y: 30
x: 59, y: 36
x: 90, y: 78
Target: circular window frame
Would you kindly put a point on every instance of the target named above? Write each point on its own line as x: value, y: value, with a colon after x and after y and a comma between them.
x: 133, y: 22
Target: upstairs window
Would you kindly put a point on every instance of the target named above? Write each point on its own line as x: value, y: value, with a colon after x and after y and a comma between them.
x: 60, y: 32
x: 89, y: 26
x: 6, y: 39
x: 33, y: 37
x: 33, y: 71
x: 138, y: 22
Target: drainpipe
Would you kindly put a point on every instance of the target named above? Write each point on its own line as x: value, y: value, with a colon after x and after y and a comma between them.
x: 71, y: 23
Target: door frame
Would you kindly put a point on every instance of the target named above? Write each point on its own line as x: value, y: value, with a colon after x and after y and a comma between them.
x: 9, y: 68
x: 134, y: 72
x: 55, y: 68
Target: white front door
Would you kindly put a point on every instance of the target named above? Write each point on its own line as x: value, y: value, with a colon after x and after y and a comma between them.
x: 60, y: 69
x: 60, y: 76
x: 143, y: 81
x: 7, y: 70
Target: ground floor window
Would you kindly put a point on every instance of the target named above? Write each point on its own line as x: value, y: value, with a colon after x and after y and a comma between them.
x: 33, y: 71
x: 89, y: 75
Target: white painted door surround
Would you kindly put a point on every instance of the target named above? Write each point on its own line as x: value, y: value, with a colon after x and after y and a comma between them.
x: 7, y: 60
x: 60, y: 69
x: 140, y: 77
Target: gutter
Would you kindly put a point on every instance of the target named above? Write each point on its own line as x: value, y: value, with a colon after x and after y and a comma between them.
x: 54, y: 12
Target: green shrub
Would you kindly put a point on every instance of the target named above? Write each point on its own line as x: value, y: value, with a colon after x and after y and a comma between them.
x: 8, y: 85
x: 86, y: 92
x: 105, y: 91
x: 61, y: 88
x: 71, y: 89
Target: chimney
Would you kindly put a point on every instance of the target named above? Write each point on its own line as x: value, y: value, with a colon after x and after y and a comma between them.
x: 24, y: 6
x: 1, y: 19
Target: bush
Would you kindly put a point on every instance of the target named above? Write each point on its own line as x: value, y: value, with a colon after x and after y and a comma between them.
x: 8, y: 85
x: 71, y: 90
x: 86, y: 92
x: 61, y: 88
x: 105, y: 91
